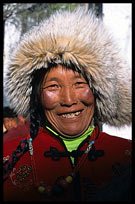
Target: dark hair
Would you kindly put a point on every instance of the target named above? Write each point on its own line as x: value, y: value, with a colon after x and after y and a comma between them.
x: 9, y: 112
x: 37, y: 117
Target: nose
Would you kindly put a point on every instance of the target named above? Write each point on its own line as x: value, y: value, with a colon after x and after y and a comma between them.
x: 68, y: 97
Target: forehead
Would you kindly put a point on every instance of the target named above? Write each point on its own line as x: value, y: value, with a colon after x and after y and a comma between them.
x: 7, y: 119
x: 62, y: 71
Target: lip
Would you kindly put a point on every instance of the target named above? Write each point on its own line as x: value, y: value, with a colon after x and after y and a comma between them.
x: 69, y: 112
x: 71, y: 119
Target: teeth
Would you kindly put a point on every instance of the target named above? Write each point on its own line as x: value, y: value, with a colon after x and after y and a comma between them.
x: 71, y: 115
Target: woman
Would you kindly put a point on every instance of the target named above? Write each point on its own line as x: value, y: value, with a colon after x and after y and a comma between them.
x: 66, y: 76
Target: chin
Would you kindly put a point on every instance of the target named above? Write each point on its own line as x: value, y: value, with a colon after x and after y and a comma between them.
x: 72, y: 133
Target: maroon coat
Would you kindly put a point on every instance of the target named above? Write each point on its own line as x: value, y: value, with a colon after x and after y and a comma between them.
x: 19, y: 131
x: 102, y: 164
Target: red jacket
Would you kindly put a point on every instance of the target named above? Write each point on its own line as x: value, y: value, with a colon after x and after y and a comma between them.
x: 92, y: 175
x: 19, y: 131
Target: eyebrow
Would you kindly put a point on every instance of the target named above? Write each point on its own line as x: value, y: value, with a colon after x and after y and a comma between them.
x: 57, y: 79
x: 52, y: 79
x: 78, y: 76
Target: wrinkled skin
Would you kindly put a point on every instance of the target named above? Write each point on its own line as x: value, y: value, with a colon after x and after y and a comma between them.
x: 67, y: 100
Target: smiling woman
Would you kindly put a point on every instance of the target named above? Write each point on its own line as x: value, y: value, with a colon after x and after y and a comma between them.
x: 66, y: 76
x: 68, y: 101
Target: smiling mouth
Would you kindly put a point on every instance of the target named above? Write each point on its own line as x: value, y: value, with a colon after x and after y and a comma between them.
x: 71, y: 115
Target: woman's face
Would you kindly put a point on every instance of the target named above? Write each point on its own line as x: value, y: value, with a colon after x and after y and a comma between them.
x: 68, y: 101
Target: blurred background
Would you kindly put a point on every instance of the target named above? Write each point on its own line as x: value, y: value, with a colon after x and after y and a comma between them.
x: 20, y: 17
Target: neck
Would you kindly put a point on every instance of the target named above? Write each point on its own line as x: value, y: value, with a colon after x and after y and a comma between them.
x: 50, y: 128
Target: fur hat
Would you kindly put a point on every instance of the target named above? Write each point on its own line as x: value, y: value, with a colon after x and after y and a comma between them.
x: 81, y: 39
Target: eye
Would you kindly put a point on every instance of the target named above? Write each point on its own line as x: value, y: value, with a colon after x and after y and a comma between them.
x: 80, y: 84
x: 51, y: 87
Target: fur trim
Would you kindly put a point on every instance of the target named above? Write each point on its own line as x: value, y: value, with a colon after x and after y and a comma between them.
x: 82, y: 39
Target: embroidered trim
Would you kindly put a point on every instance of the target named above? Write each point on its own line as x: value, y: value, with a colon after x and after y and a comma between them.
x: 23, y: 172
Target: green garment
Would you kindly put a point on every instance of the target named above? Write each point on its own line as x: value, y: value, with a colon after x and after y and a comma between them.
x: 73, y: 143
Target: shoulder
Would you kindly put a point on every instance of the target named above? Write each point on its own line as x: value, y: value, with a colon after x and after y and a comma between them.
x: 114, y: 143
x: 104, y: 138
x: 114, y: 146
x: 107, y: 138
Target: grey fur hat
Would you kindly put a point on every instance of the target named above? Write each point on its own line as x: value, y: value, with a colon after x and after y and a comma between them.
x: 81, y: 39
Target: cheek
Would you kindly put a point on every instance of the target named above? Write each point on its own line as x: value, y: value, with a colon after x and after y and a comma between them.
x: 49, y: 100
x: 87, y: 97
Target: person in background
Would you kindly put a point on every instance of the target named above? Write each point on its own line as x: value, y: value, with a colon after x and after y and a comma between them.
x: 66, y: 76
x: 9, y: 118
x: 14, y: 125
